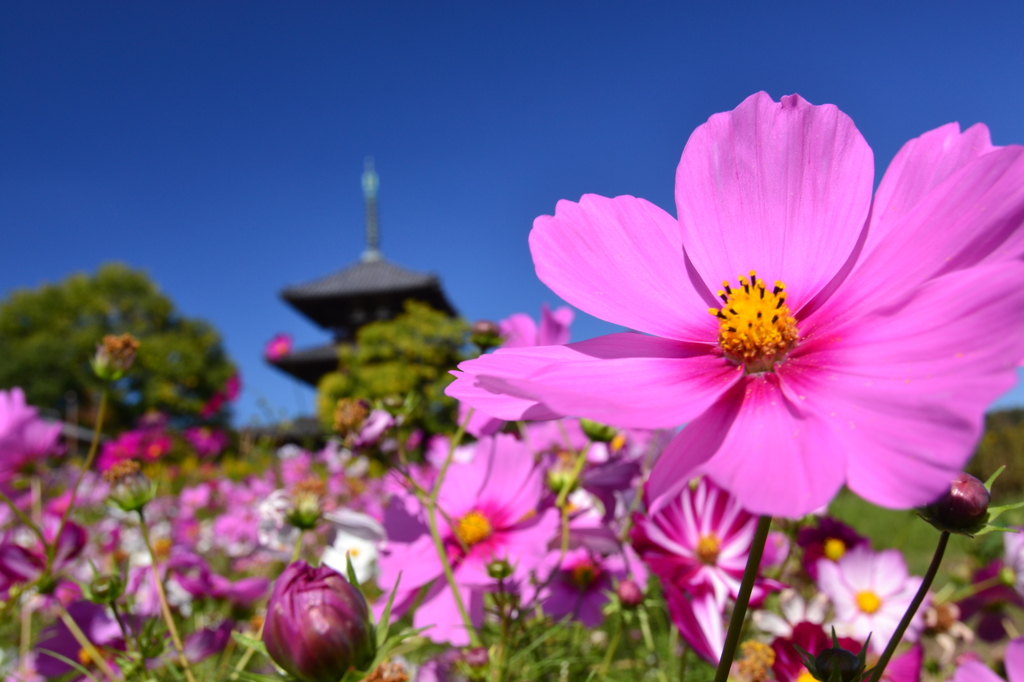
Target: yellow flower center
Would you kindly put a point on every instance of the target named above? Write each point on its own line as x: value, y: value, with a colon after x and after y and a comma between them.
x: 834, y: 549
x: 473, y: 528
x: 618, y: 442
x: 84, y: 657
x: 868, y: 601
x: 707, y: 548
x: 757, y: 661
x: 805, y: 677
x: 583, y: 574
x: 755, y: 327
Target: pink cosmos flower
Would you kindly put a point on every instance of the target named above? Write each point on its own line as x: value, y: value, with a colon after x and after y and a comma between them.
x: 699, y: 539
x: 582, y: 582
x: 700, y: 620
x: 278, y: 347
x: 976, y: 671
x: 24, y: 437
x: 206, y: 441
x: 493, y: 503
x: 853, y: 341
x: 871, y: 592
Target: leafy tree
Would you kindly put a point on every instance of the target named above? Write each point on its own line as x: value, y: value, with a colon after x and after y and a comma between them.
x: 409, y: 355
x: 48, y: 335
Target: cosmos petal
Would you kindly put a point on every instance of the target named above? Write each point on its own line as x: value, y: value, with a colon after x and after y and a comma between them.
x: 621, y: 260
x: 783, y: 188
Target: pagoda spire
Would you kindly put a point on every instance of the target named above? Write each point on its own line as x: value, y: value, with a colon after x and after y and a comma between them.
x: 370, y: 184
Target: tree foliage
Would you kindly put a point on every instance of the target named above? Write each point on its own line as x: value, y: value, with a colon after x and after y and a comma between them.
x: 48, y: 335
x: 393, y: 359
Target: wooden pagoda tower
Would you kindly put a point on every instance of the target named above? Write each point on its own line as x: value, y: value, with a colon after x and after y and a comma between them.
x: 371, y: 289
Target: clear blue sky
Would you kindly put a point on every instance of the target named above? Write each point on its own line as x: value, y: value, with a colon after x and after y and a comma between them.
x: 218, y: 145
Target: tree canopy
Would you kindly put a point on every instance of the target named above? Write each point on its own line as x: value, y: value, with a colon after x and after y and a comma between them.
x: 49, y: 334
x: 393, y: 359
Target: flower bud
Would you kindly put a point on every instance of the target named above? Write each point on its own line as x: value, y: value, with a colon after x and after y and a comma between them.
x: 962, y: 508
x: 499, y: 569
x: 630, y: 593
x: 597, y: 432
x: 485, y: 335
x: 114, y: 356
x: 130, y: 489
x: 476, y: 657
x: 306, y: 503
x: 318, y: 625
x: 833, y: 659
x: 349, y: 415
x: 105, y: 589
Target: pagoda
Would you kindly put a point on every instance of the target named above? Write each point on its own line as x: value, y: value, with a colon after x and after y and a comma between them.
x: 369, y: 290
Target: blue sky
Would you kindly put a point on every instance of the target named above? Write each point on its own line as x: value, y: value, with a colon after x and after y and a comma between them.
x: 218, y: 145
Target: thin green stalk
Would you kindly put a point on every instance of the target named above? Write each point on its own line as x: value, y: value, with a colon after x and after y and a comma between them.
x: 51, y: 550
x: 606, y: 663
x: 739, y: 612
x: 23, y: 517
x: 915, y: 604
x: 84, y: 642
x: 449, y: 574
x: 164, y: 606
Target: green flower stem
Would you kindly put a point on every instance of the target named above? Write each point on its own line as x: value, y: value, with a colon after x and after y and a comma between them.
x: 51, y: 550
x: 739, y: 612
x: 563, y: 495
x: 84, y: 642
x: 164, y: 606
x: 449, y: 574
x: 23, y: 517
x: 926, y: 583
x: 602, y: 672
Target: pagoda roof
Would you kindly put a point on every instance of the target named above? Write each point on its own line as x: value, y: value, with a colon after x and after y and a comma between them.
x: 370, y: 289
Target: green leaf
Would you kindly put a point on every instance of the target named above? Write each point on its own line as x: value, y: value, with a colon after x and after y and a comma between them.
x: 384, y: 625
x: 993, y: 477
x: 250, y: 642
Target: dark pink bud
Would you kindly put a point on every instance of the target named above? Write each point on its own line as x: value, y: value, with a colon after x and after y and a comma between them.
x: 963, y: 506
x: 477, y: 657
x: 630, y: 593
x: 318, y: 625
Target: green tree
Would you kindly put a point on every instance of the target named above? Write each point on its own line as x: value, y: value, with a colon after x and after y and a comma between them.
x: 48, y: 335
x: 393, y: 359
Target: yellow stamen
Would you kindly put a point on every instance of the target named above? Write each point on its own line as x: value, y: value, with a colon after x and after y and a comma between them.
x: 757, y: 661
x: 84, y: 657
x: 584, y: 574
x: 707, y: 548
x: 834, y: 548
x: 618, y: 442
x: 473, y: 528
x: 755, y: 327
x: 868, y: 601
x: 805, y: 677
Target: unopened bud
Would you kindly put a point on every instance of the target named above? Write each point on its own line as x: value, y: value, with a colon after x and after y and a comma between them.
x: 597, y: 432
x: 630, y: 593
x: 476, y: 657
x: 105, y: 589
x: 485, y: 335
x: 962, y: 508
x: 307, y: 501
x: 499, y: 569
x: 130, y: 489
x: 349, y: 415
x: 834, y: 659
x: 114, y: 356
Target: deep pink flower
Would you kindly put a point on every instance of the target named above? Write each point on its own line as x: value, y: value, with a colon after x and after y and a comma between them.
x: 830, y: 539
x: 870, y: 593
x: 24, y: 437
x: 865, y: 351
x: 699, y: 539
x: 810, y: 637
x: 699, y: 618
x: 206, y: 441
x: 493, y: 502
x: 580, y: 585
x: 278, y: 347
x: 976, y: 671
x: 101, y: 629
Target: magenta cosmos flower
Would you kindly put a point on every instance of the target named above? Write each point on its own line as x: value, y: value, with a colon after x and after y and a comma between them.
x: 701, y: 539
x: 493, y: 504
x: 848, y: 340
x: 976, y: 671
